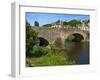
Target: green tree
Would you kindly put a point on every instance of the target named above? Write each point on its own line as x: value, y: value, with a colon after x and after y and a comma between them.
x: 86, y: 22
x: 65, y: 23
x: 74, y: 23
x: 58, y: 22
x: 31, y: 39
x: 36, y: 23
x: 47, y: 25
x: 27, y: 24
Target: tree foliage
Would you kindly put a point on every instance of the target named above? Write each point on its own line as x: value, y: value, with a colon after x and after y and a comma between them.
x: 47, y: 25
x: 36, y: 23
x: 31, y: 38
x: 65, y: 23
x: 71, y: 23
x: 38, y: 52
x: 58, y: 22
x: 86, y: 22
x: 74, y: 23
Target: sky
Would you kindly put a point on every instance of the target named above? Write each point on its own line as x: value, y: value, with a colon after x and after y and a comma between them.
x: 46, y: 18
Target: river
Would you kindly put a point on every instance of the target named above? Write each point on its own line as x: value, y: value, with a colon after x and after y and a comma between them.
x: 78, y: 52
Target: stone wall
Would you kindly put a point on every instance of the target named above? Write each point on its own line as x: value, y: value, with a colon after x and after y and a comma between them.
x: 51, y: 34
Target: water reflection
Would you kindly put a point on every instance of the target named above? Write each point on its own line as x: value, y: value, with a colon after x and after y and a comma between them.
x: 78, y: 52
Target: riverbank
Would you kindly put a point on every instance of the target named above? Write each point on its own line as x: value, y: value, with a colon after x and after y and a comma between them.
x: 54, y: 57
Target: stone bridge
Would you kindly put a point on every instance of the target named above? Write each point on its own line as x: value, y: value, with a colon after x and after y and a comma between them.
x: 51, y: 34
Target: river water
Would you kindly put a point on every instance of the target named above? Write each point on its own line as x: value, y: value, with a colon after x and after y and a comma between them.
x: 78, y: 52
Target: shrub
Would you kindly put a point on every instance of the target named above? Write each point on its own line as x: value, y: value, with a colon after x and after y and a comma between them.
x: 38, y: 52
x: 58, y: 43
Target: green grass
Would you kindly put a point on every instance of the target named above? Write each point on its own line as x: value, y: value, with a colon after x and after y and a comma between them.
x: 53, y: 58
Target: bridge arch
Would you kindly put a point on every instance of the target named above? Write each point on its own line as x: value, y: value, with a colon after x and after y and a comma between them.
x: 43, y: 42
x: 75, y: 36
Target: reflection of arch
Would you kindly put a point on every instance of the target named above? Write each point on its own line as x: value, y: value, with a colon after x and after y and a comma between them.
x: 76, y: 37
x: 43, y: 42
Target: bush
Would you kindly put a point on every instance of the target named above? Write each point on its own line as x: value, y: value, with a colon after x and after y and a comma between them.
x: 58, y: 43
x: 38, y: 52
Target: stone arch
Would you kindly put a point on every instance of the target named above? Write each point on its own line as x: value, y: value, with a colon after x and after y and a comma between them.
x: 43, y: 42
x: 77, y: 36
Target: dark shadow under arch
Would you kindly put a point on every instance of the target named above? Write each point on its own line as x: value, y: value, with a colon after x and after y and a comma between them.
x: 43, y: 42
x: 75, y: 37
